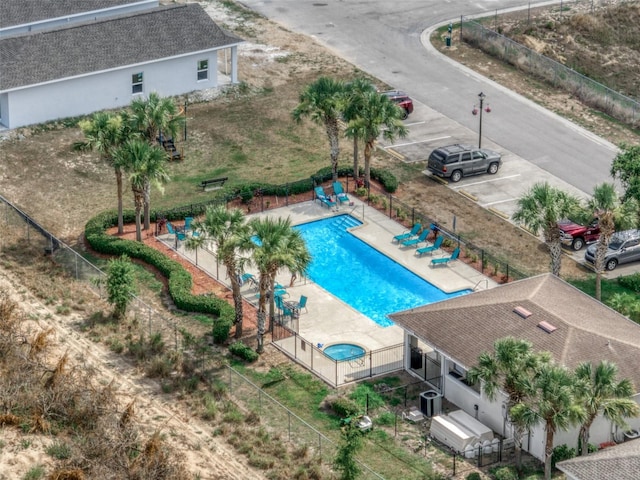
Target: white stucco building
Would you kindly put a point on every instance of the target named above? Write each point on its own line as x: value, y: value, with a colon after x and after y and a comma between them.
x: 64, y: 58
x: 444, y: 340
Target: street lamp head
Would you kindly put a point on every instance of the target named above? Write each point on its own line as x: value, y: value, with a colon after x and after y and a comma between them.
x: 481, y: 96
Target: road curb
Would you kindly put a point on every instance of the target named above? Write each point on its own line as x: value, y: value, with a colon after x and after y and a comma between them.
x: 500, y: 213
x: 468, y: 195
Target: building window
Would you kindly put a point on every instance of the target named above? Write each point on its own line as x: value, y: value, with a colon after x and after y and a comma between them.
x: 136, y: 83
x: 203, y: 70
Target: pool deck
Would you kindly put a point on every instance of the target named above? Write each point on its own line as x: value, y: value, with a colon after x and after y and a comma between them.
x: 328, y: 319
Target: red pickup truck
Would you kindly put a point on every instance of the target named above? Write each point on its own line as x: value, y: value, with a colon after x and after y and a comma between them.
x: 576, y: 236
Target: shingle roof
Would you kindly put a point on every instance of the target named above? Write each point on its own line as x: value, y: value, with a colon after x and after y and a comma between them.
x: 587, y: 330
x: 20, y: 12
x: 105, y: 44
x: 621, y: 462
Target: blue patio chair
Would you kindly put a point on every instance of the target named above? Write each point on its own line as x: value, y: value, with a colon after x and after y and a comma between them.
x: 408, y: 234
x: 249, y: 279
x: 340, y: 194
x: 173, y: 231
x: 283, y: 307
x: 299, y: 305
x: 324, y: 198
x: 445, y: 260
x: 417, y: 240
x: 430, y: 248
x: 188, y: 227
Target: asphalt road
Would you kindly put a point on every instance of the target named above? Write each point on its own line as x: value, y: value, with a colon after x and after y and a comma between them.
x: 385, y: 39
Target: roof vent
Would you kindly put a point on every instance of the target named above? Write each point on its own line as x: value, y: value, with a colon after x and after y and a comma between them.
x: 524, y: 313
x: 547, y: 327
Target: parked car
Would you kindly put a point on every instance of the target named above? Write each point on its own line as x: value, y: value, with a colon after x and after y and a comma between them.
x: 402, y: 100
x: 575, y: 235
x: 624, y: 247
x: 455, y: 161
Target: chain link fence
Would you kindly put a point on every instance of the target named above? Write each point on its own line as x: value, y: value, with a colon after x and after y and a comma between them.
x: 588, y: 91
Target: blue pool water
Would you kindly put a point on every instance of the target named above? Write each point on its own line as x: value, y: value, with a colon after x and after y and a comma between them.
x: 344, y: 351
x: 360, y: 275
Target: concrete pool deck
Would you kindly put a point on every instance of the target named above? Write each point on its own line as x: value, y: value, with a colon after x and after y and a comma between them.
x: 329, y: 320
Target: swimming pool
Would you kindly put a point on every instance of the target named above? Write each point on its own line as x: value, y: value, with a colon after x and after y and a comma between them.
x: 360, y: 275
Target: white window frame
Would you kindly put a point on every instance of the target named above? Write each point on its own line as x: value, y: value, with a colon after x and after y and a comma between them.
x: 202, y: 73
x: 137, y: 87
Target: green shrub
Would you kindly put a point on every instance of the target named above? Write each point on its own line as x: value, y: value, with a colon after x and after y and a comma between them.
x: 632, y: 282
x: 562, y: 452
x: 240, y: 350
x: 505, y: 473
x: 387, y: 179
x: 344, y: 407
x: 386, y: 418
x: 473, y: 476
x: 221, y: 329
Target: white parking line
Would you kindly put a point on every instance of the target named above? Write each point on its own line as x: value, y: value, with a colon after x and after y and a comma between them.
x: 499, y: 201
x: 487, y: 181
x: 421, y: 141
x: 414, y: 123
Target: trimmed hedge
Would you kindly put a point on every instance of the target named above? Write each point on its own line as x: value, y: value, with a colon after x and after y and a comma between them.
x: 178, y: 279
x: 240, y: 350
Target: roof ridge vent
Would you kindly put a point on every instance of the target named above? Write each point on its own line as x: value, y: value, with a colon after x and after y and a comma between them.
x: 523, y: 312
x: 547, y: 327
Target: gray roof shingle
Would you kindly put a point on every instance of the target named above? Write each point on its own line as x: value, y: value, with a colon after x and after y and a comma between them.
x: 111, y: 43
x: 20, y: 12
x: 620, y: 462
x: 587, y: 330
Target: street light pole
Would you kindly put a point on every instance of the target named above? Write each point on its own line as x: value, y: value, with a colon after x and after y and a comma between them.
x: 481, y: 97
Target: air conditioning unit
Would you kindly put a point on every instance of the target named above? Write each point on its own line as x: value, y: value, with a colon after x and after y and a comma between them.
x: 431, y: 403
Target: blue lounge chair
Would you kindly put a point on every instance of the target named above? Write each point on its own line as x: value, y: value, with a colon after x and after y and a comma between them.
x: 415, y: 241
x: 340, y: 195
x: 250, y: 279
x: 430, y: 248
x: 409, y: 234
x: 188, y: 227
x: 173, y: 231
x: 324, y: 198
x: 445, y: 260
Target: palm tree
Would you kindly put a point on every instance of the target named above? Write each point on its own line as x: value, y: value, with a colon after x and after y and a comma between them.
x: 510, y: 369
x: 105, y: 132
x: 227, y: 230
x: 552, y: 402
x: 626, y: 168
x: 599, y: 391
x: 322, y: 101
x: 352, y: 109
x: 613, y: 214
x: 145, y: 164
x: 276, y: 246
x: 151, y: 117
x: 378, y: 116
x: 541, y: 208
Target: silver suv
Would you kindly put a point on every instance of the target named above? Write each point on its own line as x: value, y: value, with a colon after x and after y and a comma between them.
x: 624, y: 247
x: 455, y: 161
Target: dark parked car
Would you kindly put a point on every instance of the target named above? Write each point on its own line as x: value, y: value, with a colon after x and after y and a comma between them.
x: 624, y: 247
x: 455, y: 161
x: 402, y: 100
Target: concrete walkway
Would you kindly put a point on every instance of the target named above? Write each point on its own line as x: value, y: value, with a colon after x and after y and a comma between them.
x: 328, y: 320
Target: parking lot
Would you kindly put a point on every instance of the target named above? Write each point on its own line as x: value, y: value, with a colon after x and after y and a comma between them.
x: 429, y: 130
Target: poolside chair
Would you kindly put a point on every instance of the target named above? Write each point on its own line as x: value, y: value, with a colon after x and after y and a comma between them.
x: 249, y: 279
x: 173, y: 231
x: 324, y: 198
x: 299, y: 305
x: 445, y: 260
x: 408, y: 234
x: 430, y: 248
x: 417, y: 240
x: 188, y: 227
x: 340, y: 194
x: 283, y: 307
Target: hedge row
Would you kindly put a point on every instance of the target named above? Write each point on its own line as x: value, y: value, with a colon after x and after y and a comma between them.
x: 178, y: 279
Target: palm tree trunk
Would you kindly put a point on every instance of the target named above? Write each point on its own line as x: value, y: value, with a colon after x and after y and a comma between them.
x: 598, y: 284
x: 262, y: 313
x: 584, y: 437
x: 368, y: 150
x: 138, y: 202
x: 334, y: 142
x: 147, y: 202
x: 355, y: 159
x: 518, y: 433
x: 261, y: 322
x: 552, y: 240
x: 548, y: 451
x: 237, y: 299
x: 120, y: 215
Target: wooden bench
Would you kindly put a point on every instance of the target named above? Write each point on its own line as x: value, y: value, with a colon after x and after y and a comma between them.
x: 215, y: 182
